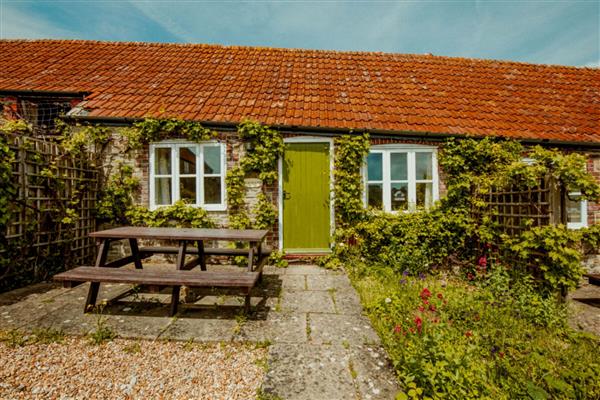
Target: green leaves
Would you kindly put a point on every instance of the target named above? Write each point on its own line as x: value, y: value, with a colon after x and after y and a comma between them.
x: 554, y: 250
x: 116, y: 196
x: 350, y: 153
x: 157, y: 129
x: 180, y: 215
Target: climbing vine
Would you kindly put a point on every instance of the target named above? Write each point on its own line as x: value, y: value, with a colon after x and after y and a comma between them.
x: 156, y: 129
x: 116, y: 195
x: 350, y: 153
x: 264, y: 147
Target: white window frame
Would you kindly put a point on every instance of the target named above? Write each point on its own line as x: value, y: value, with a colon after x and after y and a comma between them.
x: 583, y: 204
x: 583, y: 210
x: 410, y: 150
x: 174, y: 146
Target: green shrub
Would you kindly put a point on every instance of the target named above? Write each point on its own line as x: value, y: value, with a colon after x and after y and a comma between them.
x: 554, y: 251
x: 416, y: 242
x: 180, y: 215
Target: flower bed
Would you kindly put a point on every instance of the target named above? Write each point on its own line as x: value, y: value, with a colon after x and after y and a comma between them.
x: 486, y: 338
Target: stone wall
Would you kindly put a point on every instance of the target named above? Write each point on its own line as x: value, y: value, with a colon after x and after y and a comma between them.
x: 235, y: 151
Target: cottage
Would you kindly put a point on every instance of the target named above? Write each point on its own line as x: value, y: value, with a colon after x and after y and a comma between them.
x: 407, y: 103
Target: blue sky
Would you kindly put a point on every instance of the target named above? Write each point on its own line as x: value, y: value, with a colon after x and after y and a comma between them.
x: 550, y: 32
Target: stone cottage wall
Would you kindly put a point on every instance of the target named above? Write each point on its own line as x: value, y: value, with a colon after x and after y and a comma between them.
x: 234, y: 152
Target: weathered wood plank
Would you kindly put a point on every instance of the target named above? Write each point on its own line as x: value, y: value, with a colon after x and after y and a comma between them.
x: 209, y: 251
x: 166, y: 278
x: 192, y: 234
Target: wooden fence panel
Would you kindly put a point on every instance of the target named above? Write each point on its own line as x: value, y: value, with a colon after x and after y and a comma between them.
x: 52, y: 214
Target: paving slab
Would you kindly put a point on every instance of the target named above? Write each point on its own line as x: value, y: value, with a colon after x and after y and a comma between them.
x: 294, y: 282
x: 374, y: 376
x: 347, y: 302
x: 309, y: 372
x: 306, y: 269
x: 328, y: 282
x: 307, y: 301
x: 341, y: 329
x: 277, y: 328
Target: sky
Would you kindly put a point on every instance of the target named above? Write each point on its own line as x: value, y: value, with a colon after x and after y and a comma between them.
x: 548, y: 32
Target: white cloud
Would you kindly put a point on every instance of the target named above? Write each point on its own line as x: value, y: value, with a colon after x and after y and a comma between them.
x: 15, y: 24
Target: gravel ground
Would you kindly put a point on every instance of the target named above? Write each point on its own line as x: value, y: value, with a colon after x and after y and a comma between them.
x: 129, y: 369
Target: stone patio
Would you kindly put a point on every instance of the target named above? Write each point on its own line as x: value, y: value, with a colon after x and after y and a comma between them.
x: 321, y: 346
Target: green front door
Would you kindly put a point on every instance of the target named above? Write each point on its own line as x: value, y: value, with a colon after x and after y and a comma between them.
x: 306, y: 208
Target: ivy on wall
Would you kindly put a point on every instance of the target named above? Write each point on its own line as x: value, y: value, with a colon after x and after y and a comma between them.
x: 156, y: 129
x: 264, y: 147
x: 350, y: 154
x: 448, y: 235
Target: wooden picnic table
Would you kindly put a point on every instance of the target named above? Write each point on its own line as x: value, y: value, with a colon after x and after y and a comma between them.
x: 180, y: 276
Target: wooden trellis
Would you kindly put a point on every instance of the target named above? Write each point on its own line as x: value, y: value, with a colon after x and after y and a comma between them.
x: 42, y: 237
x: 514, y: 209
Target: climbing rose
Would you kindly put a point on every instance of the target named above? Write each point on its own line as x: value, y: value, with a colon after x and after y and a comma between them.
x: 432, y: 307
x: 421, y: 308
x: 425, y: 294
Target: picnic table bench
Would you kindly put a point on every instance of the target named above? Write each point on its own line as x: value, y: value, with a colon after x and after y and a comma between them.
x: 593, y: 279
x: 110, y: 272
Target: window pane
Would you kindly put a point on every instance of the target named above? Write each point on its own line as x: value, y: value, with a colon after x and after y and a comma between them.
x: 424, y: 195
x: 398, y: 169
x: 162, y: 161
x: 212, y: 160
x: 187, y: 160
x: 574, y: 211
x: 399, y: 196
x: 212, y: 190
x: 374, y: 167
x: 375, y: 196
x: 187, y: 190
x: 424, y: 166
x: 162, y: 191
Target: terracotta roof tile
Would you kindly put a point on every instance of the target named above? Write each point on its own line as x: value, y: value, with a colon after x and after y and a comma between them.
x: 376, y: 91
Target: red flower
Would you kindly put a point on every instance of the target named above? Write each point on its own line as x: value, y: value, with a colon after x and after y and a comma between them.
x: 419, y: 323
x: 397, y: 329
x: 426, y: 302
x: 470, y: 276
x: 421, y: 308
x: 468, y: 333
x: 412, y: 330
x: 440, y: 296
x: 482, y: 262
x: 425, y: 294
x: 432, y: 307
